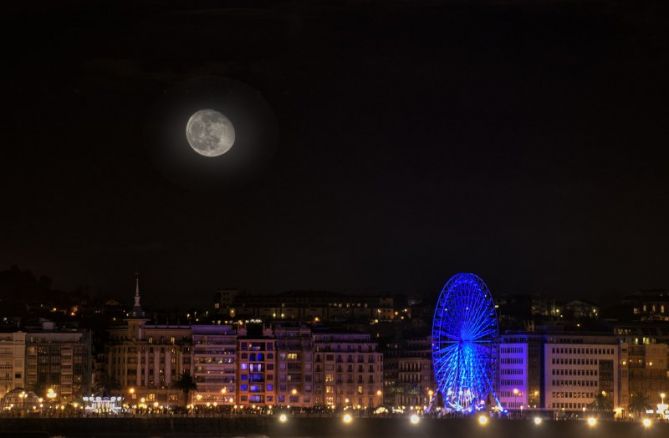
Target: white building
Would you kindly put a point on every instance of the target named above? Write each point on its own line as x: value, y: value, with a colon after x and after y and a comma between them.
x: 579, y: 368
x: 513, y: 375
x: 519, y: 371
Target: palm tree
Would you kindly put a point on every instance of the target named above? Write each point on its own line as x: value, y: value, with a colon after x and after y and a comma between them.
x: 187, y: 384
x: 639, y: 403
x: 602, y: 403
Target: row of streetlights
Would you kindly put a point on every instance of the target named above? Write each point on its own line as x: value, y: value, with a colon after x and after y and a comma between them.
x: 483, y: 420
x: 51, y: 394
x: 348, y: 418
x: 517, y: 393
x: 592, y: 422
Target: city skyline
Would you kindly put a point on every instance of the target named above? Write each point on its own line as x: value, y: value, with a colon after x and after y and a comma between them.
x: 368, y: 355
x: 334, y: 218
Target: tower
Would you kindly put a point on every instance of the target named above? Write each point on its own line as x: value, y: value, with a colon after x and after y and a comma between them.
x: 137, y: 311
x: 136, y: 318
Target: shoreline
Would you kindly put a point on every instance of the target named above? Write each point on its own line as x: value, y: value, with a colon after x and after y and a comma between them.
x: 388, y: 427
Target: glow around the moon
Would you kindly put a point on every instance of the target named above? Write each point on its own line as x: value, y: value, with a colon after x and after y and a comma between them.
x: 210, y: 133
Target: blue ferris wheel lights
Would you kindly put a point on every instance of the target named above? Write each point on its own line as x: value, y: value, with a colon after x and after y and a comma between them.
x: 464, y: 331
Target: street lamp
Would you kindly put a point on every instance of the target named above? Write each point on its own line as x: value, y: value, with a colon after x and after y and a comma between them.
x: 430, y: 393
x: 662, y: 396
x: 647, y: 423
x: 516, y: 393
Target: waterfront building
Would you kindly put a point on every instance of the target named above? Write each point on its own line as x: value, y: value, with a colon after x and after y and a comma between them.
x: 256, y: 373
x: 581, y: 368
x: 348, y: 370
x: 12, y: 361
x: 214, y: 364
x: 520, y: 366
x: 46, y: 360
x: 407, y: 372
x: 294, y: 349
x: 146, y: 360
x: 562, y: 372
x: 58, y: 362
x: 648, y: 371
x: 647, y: 364
x: 245, y: 364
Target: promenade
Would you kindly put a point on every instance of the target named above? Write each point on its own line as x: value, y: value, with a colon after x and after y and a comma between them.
x: 389, y: 427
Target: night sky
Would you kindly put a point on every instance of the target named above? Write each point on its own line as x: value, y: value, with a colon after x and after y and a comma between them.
x: 402, y: 142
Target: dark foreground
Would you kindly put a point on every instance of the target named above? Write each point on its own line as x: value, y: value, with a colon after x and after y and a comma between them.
x: 318, y: 427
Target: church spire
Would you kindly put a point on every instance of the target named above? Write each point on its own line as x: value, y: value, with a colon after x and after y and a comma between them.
x: 137, y: 304
x: 137, y: 311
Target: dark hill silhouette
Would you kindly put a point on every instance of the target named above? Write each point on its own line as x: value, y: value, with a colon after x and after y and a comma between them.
x: 23, y: 290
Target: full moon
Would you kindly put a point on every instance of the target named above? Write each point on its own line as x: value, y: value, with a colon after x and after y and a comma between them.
x: 210, y: 133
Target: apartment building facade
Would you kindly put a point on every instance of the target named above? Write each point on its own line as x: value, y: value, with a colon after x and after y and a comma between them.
x: 407, y: 373
x: 256, y: 374
x: 12, y: 361
x: 215, y: 364
x: 295, y: 366
x: 579, y: 369
x: 348, y: 370
x: 520, y: 365
x: 60, y: 361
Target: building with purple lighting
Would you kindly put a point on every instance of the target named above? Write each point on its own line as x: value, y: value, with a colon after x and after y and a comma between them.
x: 562, y: 372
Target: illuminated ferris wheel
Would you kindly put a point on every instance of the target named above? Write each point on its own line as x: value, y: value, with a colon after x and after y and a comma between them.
x: 464, y: 333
